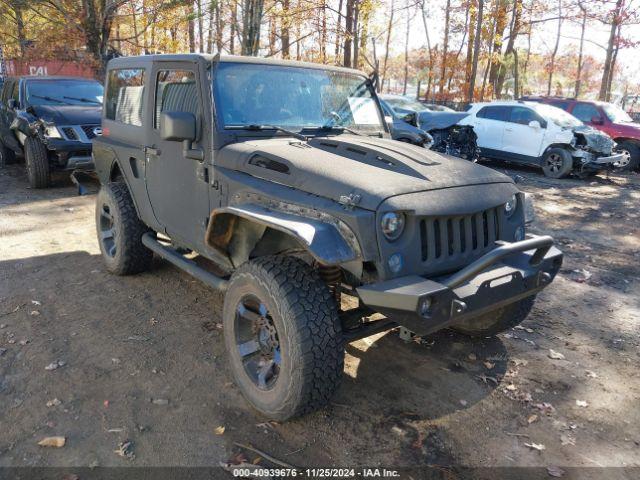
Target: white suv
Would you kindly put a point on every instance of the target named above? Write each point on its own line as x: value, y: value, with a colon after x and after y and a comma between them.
x: 542, y: 135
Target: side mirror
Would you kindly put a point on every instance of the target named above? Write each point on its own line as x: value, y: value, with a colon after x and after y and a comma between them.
x: 535, y: 124
x: 12, y: 104
x: 597, y: 120
x: 177, y: 126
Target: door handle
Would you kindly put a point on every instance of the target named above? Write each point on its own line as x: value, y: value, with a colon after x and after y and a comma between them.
x: 151, y: 150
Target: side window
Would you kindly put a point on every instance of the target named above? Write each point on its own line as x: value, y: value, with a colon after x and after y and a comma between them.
x: 124, y: 99
x: 500, y: 114
x: 175, y: 92
x: 563, y: 105
x: 523, y: 116
x: 585, y: 112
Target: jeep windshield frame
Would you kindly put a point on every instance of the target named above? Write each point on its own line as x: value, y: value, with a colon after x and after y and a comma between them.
x: 315, y: 101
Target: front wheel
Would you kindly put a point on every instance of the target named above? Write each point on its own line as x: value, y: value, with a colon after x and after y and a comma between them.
x: 492, y: 323
x: 283, y: 336
x: 37, y: 161
x: 631, y: 156
x: 7, y: 155
x: 557, y: 163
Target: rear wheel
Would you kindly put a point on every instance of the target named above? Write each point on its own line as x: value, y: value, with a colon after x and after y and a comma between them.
x: 283, y: 336
x: 497, y: 321
x: 120, y: 231
x: 557, y: 163
x: 37, y: 161
x: 631, y: 156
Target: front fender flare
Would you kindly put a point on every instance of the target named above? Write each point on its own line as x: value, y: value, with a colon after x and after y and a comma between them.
x: 324, y: 240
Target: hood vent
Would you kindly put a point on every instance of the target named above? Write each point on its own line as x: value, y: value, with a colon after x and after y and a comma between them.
x: 269, y: 164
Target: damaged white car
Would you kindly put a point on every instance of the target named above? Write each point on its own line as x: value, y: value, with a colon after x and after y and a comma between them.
x: 541, y: 135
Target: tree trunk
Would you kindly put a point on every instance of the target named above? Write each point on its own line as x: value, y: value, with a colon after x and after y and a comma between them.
x: 514, y: 30
x: 386, y: 48
x: 489, y: 57
x: 429, y: 50
x: 338, y: 27
x: 500, y: 24
x: 286, y: 28
x: 473, y: 16
x: 445, y: 46
x: 613, y: 67
x: 579, y: 66
x: 476, y: 52
x: 348, y: 34
x: 356, y: 34
x: 516, y: 74
x: 406, y: 54
x: 552, y: 62
x: 606, y: 72
x: 200, y: 27
x: 234, y: 27
x: 22, y: 41
x: 253, y: 12
x: 191, y: 27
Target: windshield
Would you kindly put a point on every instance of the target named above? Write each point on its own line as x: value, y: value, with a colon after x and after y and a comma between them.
x: 558, y: 116
x: 64, y: 92
x: 439, y: 108
x: 615, y: 113
x: 293, y: 97
x: 406, y: 103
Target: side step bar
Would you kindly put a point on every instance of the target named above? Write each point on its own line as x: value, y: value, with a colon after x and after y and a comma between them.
x: 189, y: 266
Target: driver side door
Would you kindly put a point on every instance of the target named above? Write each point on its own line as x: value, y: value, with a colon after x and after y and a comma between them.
x: 177, y: 185
x: 522, y: 139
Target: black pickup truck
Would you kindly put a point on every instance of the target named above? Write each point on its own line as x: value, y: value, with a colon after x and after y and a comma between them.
x: 50, y: 121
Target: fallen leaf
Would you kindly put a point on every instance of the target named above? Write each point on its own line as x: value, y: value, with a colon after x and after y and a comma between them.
x: 160, y: 401
x: 591, y: 374
x: 532, y: 418
x: 125, y: 449
x: 519, y: 362
x: 555, y: 471
x: 219, y: 430
x: 511, y: 387
x: 545, y: 408
x: 567, y: 440
x: 472, y: 357
x: 34, y: 313
x: 36, y: 302
x: 582, y: 403
x: 53, y: 403
x: 535, y: 446
x: 463, y: 403
x: 55, y: 365
x: 56, y: 442
x: 555, y: 355
x: 489, y: 365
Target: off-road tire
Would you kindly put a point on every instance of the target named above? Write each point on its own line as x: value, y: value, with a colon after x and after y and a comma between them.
x: 37, y: 163
x: 633, y: 149
x: 7, y: 156
x: 130, y: 256
x: 305, y: 316
x: 557, y: 163
x: 491, y: 323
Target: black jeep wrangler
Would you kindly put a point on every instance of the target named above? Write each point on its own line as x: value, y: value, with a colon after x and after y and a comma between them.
x: 282, y: 175
x: 51, y: 122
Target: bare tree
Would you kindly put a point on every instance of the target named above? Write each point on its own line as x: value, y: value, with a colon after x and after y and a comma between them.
x: 579, y: 66
x: 552, y: 60
x: 476, y: 52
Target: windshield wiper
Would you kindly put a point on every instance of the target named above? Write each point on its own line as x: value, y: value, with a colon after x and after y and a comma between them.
x: 328, y: 128
x: 256, y: 127
x: 49, y: 99
x: 85, y: 100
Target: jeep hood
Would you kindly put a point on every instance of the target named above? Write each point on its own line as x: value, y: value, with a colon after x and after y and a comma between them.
x: 68, y: 114
x: 335, y: 167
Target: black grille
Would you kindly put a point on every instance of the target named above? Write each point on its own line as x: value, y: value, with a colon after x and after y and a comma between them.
x: 70, y: 133
x: 447, y: 238
x: 88, y: 131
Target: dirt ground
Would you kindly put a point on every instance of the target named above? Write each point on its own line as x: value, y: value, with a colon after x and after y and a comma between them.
x: 143, y: 358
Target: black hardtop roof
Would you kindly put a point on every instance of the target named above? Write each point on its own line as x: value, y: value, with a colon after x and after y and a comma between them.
x: 143, y: 60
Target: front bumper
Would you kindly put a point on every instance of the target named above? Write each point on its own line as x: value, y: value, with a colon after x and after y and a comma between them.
x: 609, y: 162
x: 71, y: 155
x: 509, y: 273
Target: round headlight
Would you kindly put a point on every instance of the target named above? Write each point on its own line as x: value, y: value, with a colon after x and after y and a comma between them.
x: 392, y: 224
x: 511, y: 205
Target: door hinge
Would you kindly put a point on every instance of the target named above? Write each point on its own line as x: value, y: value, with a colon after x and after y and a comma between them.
x: 215, y: 185
x: 203, y: 173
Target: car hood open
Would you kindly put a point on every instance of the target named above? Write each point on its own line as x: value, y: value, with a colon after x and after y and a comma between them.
x: 68, y: 114
x: 335, y: 167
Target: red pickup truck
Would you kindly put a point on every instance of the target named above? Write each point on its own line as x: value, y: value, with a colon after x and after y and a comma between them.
x: 607, y: 117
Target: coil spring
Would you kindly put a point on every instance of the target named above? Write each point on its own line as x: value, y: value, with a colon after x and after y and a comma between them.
x: 332, y: 276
